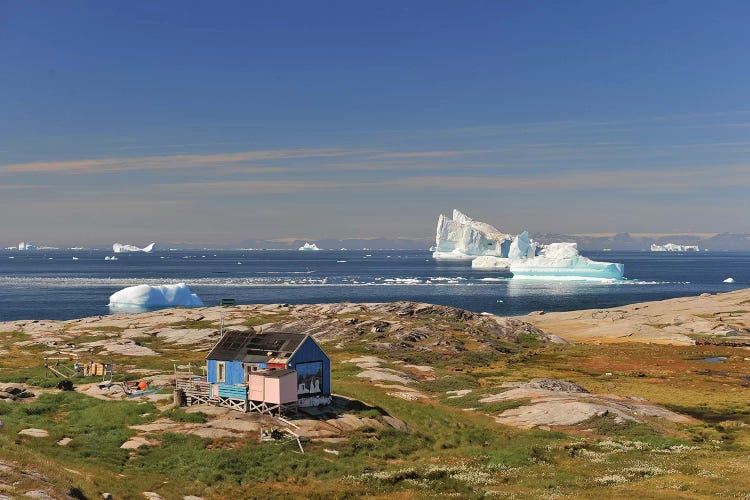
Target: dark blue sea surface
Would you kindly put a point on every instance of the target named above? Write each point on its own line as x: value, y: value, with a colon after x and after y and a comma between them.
x: 50, y: 284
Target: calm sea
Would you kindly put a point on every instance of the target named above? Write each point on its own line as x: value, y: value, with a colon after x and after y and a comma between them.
x: 54, y: 285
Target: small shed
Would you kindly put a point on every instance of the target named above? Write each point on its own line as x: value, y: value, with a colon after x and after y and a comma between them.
x: 274, y: 386
x: 239, y: 356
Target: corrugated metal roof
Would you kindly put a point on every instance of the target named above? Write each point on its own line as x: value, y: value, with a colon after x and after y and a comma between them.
x: 250, y: 347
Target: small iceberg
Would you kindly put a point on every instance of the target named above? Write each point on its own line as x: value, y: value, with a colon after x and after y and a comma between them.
x: 75, y: 258
x: 120, y: 248
x: 110, y: 258
x: 309, y: 247
x: 145, y: 297
x: 728, y: 280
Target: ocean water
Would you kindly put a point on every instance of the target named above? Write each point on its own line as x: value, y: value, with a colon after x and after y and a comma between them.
x: 52, y: 285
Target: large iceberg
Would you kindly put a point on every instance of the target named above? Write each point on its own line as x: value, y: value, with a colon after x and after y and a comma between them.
x: 120, y: 248
x: 559, y: 261
x: 26, y: 247
x: 461, y: 238
x: 309, y: 247
x: 148, y: 297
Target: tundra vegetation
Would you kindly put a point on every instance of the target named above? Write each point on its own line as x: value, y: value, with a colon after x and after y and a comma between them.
x: 443, y: 375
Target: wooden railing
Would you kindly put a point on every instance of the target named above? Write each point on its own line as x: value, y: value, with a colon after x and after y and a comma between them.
x: 193, y: 385
x: 233, y: 391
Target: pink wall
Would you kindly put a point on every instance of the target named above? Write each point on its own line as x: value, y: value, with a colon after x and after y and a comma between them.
x: 256, y: 386
x: 273, y: 389
x: 281, y: 390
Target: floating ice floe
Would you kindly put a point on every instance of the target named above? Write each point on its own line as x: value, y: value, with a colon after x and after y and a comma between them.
x: 148, y: 296
x: 120, y: 248
x: 490, y: 262
x: 309, y: 247
x: 728, y: 280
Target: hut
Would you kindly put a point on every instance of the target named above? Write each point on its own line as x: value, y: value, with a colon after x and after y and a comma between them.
x: 269, y: 371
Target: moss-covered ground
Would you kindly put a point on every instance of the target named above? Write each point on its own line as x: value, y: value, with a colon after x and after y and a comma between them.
x: 454, y: 446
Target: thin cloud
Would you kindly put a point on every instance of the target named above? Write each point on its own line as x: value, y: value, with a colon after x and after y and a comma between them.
x: 672, y: 181
x: 430, y: 154
x: 13, y: 187
x: 169, y: 161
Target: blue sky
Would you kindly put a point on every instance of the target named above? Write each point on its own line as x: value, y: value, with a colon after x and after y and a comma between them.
x: 201, y: 122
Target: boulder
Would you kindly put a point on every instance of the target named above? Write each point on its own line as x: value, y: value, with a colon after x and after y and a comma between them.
x: 37, y: 433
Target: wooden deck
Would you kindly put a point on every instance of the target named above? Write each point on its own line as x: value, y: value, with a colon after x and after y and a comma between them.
x: 198, y: 391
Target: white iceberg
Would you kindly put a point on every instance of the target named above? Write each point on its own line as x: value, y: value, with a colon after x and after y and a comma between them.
x: 120, y: 248
x: 462, y: 238
x: 522, y: 247
x: 561, y: 261
x: 728, y: 280
x: 490, y: 262
x: 147, y: 296
x: 673, y: 247
x: 26, y: 247
x: 308, y: 247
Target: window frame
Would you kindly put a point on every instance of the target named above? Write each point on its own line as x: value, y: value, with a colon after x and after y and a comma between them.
x: 221, y: 371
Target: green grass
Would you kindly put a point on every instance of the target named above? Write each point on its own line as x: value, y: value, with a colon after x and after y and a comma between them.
x: 180, y: 415
x: 198, y: 324
x: 97, y: 428
x: 632, y: 431
x: 15, y: 335
x: 106, y: 328
x: 451, y: 383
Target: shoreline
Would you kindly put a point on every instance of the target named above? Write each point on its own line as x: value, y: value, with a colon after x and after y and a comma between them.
x: 677, y: 321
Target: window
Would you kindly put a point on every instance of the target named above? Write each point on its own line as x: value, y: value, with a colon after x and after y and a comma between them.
x: 221, y: 372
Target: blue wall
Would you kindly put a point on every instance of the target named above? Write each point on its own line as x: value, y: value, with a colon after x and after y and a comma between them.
x: 310, y: 351
x: 235, y: 373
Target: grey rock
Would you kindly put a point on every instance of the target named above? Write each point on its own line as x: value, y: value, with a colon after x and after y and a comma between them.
x: 550, y: 384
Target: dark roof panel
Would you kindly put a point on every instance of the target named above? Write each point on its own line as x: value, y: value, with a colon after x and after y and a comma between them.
x: 256, y: 347
x: 276, y: 373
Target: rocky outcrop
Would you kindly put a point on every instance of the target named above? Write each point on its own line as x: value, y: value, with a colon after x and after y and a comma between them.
x: 723, y: 318
x: 551, y: 402
x: 389, y: 326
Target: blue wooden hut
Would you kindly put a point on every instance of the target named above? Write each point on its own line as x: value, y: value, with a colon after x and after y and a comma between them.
x: 239, y: 355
